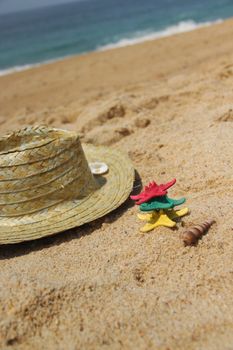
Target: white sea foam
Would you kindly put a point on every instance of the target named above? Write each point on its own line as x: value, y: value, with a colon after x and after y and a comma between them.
x: 27, y: 66
x: 139, y: 37
x: 17, y: 69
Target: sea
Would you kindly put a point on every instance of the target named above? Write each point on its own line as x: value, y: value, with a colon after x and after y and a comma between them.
x: 33, y: 37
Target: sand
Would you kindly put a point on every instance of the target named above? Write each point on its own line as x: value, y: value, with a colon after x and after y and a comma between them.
x: 169, y: 104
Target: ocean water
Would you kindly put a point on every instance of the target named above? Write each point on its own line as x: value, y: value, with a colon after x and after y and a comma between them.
x: 36, y: 36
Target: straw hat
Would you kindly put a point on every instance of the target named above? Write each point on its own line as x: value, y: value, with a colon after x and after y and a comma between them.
x: 46, y: 185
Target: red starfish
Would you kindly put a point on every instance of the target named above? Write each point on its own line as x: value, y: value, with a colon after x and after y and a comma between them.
x: 151, y: 191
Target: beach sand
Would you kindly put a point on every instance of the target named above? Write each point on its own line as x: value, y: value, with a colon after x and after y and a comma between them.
x: 169, y: 104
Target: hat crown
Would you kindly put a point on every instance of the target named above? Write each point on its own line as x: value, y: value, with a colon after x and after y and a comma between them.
x: 41, y: 167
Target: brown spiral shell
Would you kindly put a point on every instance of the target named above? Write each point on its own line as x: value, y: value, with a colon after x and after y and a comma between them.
x: 194, y: 233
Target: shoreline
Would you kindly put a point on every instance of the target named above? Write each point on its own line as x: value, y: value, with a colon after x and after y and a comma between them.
x: 82, y: 75
x: 179, y: 28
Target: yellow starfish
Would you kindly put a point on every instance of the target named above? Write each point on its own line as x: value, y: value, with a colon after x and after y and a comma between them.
x: 161, y: 218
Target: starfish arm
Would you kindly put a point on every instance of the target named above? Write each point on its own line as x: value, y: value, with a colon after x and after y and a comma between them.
x: 169, y: 184
x: 174, y: 214
x: 164, y: 220
x: 150, y: 217
x: 148, y: 227
x: 140, y: 201
x: 136, y: 197
x: 144, y: 217
x: 175, y: 202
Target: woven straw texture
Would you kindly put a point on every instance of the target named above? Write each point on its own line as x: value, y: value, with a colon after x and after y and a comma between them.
x: 46, y: 185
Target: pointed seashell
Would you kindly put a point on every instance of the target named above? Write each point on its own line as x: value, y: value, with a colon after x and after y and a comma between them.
x: 194, y: 233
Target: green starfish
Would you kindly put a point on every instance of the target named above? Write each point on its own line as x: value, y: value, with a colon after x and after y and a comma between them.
x: 162, y: 202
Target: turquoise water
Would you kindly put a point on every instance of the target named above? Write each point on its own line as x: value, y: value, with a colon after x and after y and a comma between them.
x: 53, y: 32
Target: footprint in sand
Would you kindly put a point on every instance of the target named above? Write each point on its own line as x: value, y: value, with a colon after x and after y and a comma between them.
x: 112, y: 113
x: 226, y: 117
x: 227, y: 72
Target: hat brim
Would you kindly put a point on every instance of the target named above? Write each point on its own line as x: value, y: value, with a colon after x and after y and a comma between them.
x: 115, y: 189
